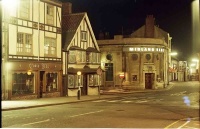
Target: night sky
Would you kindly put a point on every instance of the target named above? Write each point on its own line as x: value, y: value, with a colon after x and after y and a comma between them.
x: 173, y: 16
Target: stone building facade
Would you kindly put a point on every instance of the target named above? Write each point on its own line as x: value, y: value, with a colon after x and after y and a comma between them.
x: 142, y: 58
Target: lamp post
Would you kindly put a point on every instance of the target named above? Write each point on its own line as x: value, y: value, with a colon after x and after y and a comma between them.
x: 79, y: 81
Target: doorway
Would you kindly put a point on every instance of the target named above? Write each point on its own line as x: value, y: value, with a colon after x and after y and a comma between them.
x: 41, y: 83
x: 84, y: 88
x: 149, y: 79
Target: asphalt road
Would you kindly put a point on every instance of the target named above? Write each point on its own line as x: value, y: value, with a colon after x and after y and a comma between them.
x: 174, y: 108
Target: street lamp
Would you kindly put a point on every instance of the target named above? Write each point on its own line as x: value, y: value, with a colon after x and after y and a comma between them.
x: 79, y: 81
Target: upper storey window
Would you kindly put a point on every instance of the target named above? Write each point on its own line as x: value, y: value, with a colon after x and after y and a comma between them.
x: 24, y: 43
x: 49, y: 15
x: 83, y: 36
x: 24, y: 9
x: 50, y: 46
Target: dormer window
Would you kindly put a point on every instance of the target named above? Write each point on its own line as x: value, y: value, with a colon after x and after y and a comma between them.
x: 84, y: 35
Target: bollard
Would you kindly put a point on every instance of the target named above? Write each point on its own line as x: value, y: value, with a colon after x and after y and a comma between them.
x: 78, y: 95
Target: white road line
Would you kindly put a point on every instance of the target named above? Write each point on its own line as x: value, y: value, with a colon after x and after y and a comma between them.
x: 36, y: 122
x: 183, y: 124
x: 99, y: 101
x: 112, y: 101
x: 86, y: 113
x: 127, y: 101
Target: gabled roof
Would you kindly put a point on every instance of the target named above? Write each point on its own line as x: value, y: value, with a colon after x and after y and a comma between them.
x: 158, y: 33
x: 70, y: 24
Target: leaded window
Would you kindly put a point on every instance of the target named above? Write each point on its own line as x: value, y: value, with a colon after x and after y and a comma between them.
x: 50, y: 16
x: 50, y: 47
x: 74, y: 81
x: 24, y: 43
x: 22, y: 83
x: 24, y: 9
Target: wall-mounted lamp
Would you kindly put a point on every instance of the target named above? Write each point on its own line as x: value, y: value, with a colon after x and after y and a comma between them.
x: 29, y: 72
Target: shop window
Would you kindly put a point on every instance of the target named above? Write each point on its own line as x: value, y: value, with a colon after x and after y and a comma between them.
x: 73, y: 81
x: 22, y: 83
x: 51, y: 79
x: 94, y: 80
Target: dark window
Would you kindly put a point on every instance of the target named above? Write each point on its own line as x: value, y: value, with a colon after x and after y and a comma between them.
x: 109, y: 71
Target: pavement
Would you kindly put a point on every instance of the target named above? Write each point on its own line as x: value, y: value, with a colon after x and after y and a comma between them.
x: 7, y: 105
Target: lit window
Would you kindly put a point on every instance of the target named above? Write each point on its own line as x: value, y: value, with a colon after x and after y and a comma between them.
x: 24, y: 9
x: 72, y: 56
x: 130, y: 49
x: 22, y: 83
x: 50, y: 47
x: 49, y: 17
x: 73, y: 81
x: 93, y: 80
x: 51, y: 80
x: 24, y: 43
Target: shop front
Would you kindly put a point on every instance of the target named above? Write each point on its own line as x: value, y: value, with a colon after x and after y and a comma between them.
x: 29, y: 80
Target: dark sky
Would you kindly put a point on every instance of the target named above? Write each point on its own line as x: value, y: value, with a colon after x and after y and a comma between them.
x: 173, y: 16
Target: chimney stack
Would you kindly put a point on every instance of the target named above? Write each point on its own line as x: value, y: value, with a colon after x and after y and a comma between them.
x: 149, y: 26
x: 66, y: 8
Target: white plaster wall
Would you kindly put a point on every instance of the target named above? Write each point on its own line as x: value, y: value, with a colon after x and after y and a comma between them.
x: 72, y: 92
x: 93, y: 90
x: 35, y: 42
x: 41, y: 43
x: 59, y: 17
x: 12, y: 39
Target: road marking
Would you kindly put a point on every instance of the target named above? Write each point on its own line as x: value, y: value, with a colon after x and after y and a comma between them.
x: 169, y: 126
x: 99, y: 101
x: 183, y: 124
x: 112, y: 101
x: 127, y: 101
x: 86, y: 113
x: 36, y: 122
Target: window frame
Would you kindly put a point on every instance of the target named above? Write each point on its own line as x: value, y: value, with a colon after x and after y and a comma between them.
x: 22, y: 46
x: 50, y: 47
x: 84, y: 36
x: 24, y: 11
x: 50, y: 14
x: 74, y: 80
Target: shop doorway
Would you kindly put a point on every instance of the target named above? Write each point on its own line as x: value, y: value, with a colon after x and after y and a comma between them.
x: 149, y: 78
x: 41, y: 83
x: 84, y: 87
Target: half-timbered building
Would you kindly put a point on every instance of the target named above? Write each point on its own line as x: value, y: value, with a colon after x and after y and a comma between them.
x: 81, y: 55
x: 31, y: 43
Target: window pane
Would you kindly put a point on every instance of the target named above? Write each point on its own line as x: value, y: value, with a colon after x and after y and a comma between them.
x: 50, y: 17
x: 51, y: 82
x: 72, y: 57
x: 22, y: 83
x: 24, y: 9
x: 71, y: 81
x: 50, y: 46
x: 109, y: 71
x: 84, y: 56
x: 91, y: 80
